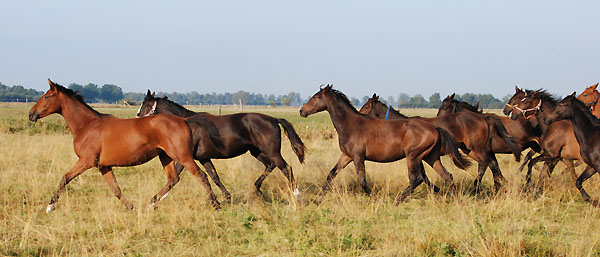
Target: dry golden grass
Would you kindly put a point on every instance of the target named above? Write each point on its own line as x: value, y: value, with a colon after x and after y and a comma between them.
x: 90, y: 221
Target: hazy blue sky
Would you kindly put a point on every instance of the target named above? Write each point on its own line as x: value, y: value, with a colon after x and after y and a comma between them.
x: 276, y: 47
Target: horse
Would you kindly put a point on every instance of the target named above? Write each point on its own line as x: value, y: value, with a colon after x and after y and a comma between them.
x: 365, y: 138
x: 104, y: 141
x: 239, y: 133
x: 586, y: 128
x: 473, y: 132
x: 590, y: 97
x: 522, y: 132
x: 557, y: 140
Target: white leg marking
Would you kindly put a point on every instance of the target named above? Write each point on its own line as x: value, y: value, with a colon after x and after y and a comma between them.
x: 164, y: 196
x: 49, y: 208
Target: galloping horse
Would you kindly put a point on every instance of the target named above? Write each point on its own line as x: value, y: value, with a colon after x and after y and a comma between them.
x: 104, y: 141
x: 586, y: 128
x: 557, y: 140
x: 239, y: 133
x: 364, y: 138
x: 590, y: 97
x: 522, y: 132
x: 473, y: 132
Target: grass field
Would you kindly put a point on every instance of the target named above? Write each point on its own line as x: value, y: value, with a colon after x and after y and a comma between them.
x: 90, y: 221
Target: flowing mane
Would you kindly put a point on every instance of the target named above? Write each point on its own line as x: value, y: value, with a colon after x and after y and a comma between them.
x: 344, y: 99
x: 544, y: 96
x: 78, y: 97
x: 467, y: 106
x: 175, y: 107
x: 393, y: 110
x: 586, y: 111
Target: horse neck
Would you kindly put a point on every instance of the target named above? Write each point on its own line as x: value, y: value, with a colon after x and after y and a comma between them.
x: 342, y: 115
x: 77, y: 115
x: 169, y: 107
x: 540, y: 118
x: 583, y: 126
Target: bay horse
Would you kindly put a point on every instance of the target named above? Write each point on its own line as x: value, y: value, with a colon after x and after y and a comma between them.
x: 590, y: 97
x: 557, y: 140
x: 473, y: 133
x: 521, y: 130
x: 586, y: 128
x: 239, y: 133
x: 104, y: 141
x: 365, y: 138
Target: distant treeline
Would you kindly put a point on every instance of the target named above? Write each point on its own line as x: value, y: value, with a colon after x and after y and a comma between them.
x: 109, y: 93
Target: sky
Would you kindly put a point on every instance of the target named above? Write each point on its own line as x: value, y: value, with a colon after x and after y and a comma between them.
x: 275, y: 47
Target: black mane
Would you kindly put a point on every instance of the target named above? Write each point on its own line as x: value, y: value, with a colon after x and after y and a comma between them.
x: 174, y: 107
x: 75, y: 95
x: 545, y: 96
x: 393, y: 110
x: 344, y: 99
x: 585, y: 110
x: 467, y: 106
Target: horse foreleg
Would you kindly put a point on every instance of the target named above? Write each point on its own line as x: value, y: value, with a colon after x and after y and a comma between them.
x: 191, y: 166
x: 80, y: 167
x: 499, y: 179
x: 546, y: 172
x: 212, y: 172
x: 172, y: 179
x: 587, y: 173
x: 342, y: 162
x: 111, y: 180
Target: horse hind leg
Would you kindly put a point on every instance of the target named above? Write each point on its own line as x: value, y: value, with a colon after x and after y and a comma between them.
x: 499, y: 179
x: 212, y: 172
x: 585, y: 175
x: 287, y: 172
x: 269, y: 166
x: 172, y: 179
x: 111, y: 180
x: 414, y: 178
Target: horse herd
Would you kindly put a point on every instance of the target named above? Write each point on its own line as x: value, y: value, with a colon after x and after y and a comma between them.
x: 559, y: 130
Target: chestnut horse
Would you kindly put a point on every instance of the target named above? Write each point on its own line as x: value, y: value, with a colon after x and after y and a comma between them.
x: 586, y: 128
x: 241, y: 132
x: 557, y: 140
x: 104, y: 141
x: 365, y: 138
x: 522, y: 132
x: 590, y: 97
x: 473, y: 133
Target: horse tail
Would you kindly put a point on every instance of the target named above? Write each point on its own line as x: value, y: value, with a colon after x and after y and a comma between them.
x: 211, y: 130
x: 295, y: 140
x: 503, y: 133
x: 450, y: 147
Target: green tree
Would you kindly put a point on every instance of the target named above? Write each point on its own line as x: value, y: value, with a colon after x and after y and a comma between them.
x: 91, y: 92
x: 286, y: 101
x: 111, y: 93
x: 435, y: 100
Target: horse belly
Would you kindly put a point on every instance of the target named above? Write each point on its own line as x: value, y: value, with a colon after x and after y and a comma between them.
x: 126, y: 150
x: 385, y: 153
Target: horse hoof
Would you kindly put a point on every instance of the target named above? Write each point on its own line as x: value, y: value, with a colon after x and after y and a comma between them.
x: 50, y: 208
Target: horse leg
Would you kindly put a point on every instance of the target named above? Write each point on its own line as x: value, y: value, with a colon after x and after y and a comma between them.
x: 570, y: 167
x: 436, y: 164
x: 188, y: 162
x: 359, y: 164
x: 414, y: 178
x: 109, y: 176
x: 526, y: 160
x: 482, y: 165
x: 587, y: 173
x: 532, y: 162
x: 342, y: 162
x: 546, y: 172
x: 172, y: 178
x: 80, y: 167
x: 212, y: 172
x: 269, y: 166
x: 286, y: 169
x: 499, y: 179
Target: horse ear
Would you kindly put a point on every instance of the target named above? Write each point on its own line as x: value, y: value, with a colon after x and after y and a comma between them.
x: 594, y: 86
x: 52, y: 85
x: 153, y: 93
x: 148, y: 94
x: 517, y: 89
x: 374, y: 95
x: 574, y: 94
x: 452, y: 96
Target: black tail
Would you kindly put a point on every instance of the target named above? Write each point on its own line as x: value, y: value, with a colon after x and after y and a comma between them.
x: 295, y: 140
x: 502, y: 133
x: 450, y: 147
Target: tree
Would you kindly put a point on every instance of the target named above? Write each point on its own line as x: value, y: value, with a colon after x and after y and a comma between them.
x: 111, y: 93
x: 286, y: 101
x: 435, y: 100
x: 76, y: 87
x: 403, y: 100
x: 417, y: 101
x: 390, y: 101
x: 90, y: 92
x: 240, y: 95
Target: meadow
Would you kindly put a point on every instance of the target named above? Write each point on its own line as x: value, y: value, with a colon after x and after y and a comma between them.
x: 90, y: 221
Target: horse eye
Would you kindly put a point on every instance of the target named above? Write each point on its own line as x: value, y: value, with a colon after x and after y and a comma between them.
x: 585, y: 94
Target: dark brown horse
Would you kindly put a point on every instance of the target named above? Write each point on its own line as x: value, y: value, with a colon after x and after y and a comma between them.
x: 586, y: 128
x: 590, y: 97
x: 472, y: 131
x: 103, y: 141
x: 238, y: 133
x: 556, y: 140
x: 521, y: 130
x: 364, y: 138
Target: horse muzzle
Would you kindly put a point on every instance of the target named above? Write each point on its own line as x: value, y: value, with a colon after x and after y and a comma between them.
x: 34, y: 116
x: 303, y: 113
